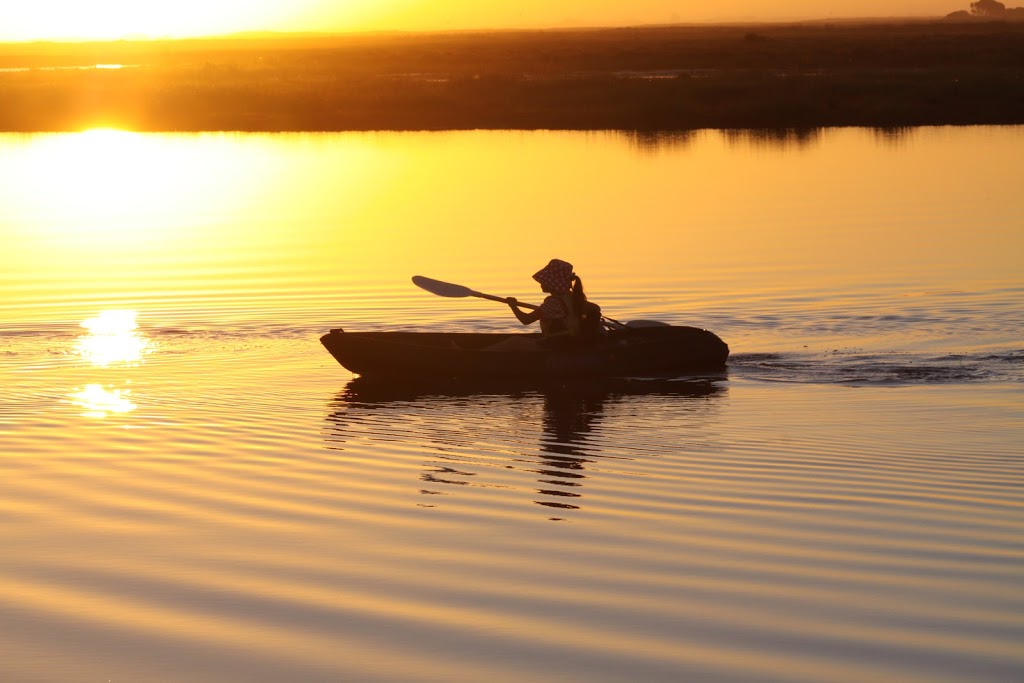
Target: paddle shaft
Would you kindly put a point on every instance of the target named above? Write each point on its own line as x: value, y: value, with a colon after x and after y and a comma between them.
x: 452, y: 290
x: 502, y: 299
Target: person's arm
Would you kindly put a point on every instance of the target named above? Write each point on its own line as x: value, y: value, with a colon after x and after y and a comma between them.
x: 524, y: 317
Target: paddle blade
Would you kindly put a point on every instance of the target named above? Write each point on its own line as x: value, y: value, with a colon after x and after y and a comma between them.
x: 441, y: 288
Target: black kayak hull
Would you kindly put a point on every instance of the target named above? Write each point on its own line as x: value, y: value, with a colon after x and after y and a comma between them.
x: 647, y: 351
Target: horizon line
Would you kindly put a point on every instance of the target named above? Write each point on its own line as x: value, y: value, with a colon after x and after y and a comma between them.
x: 271, y: 33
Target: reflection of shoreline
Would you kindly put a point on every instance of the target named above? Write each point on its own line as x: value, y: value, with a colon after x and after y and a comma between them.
x: 453, y: 418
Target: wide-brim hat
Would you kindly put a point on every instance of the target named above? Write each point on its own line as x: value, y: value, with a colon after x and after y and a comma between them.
x: 556, y: 276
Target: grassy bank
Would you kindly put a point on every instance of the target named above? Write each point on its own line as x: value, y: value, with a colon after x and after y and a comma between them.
x: 669, y: 78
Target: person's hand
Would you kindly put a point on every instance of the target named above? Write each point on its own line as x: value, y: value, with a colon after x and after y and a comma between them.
x: 511, y: 301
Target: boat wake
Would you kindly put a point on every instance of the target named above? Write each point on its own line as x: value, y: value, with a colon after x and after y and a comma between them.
x: 894, y: 369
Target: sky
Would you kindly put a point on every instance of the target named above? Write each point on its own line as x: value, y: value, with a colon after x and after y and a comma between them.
x: 22, y: 20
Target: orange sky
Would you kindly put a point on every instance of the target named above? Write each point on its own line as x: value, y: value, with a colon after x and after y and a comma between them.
x: 103, y: 19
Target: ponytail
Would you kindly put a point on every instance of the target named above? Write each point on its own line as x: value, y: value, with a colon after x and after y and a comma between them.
x: 589, y: 314
x: 578, y: 296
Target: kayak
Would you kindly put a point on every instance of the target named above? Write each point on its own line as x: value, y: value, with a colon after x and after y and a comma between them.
x: 662, y: 350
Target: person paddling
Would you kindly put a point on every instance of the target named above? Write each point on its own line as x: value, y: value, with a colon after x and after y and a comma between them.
x: 566, y: 311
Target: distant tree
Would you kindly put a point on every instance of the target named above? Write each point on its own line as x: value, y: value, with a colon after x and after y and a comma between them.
x: 987, y: 8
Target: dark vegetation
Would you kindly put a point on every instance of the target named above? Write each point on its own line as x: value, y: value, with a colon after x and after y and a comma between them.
x: 643, y: 79
x: 987, y: 10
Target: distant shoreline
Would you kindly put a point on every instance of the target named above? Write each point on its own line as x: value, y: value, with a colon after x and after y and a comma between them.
x: 807, y: 75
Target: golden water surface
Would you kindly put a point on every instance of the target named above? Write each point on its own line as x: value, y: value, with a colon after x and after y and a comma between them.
x: 191, y: 489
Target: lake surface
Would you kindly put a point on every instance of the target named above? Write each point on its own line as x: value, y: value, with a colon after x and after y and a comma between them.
x: 191, y: 489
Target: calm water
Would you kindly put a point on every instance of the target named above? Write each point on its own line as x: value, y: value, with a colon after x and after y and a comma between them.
x: 191, y: 489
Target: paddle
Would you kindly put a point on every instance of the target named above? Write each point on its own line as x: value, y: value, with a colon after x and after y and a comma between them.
x: 458, y: 291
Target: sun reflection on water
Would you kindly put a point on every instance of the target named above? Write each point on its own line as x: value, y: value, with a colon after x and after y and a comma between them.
x: 113, y: 337
x: 100, y: 402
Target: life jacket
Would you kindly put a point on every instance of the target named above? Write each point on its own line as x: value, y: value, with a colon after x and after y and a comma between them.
x: 565, y: 326
x: 576, y: 323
